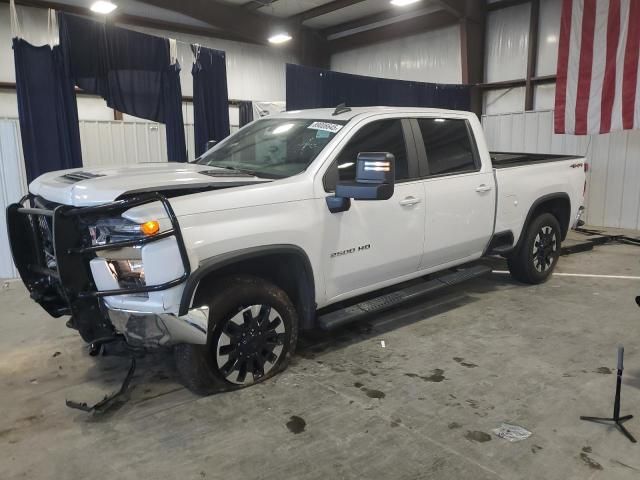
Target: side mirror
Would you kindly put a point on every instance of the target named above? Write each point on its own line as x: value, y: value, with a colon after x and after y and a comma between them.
x: 210, y: 144
x: 375, y: 179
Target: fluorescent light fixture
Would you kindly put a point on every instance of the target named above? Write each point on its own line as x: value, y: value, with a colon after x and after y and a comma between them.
x: 280, y: 38
x: 285, y: 127
x: 403, y: 3
x: 438, y: 119
x: 103, y: 7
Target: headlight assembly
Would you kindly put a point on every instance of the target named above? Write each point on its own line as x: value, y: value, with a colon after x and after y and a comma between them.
x: 125, y: 264
x: 112, y: 230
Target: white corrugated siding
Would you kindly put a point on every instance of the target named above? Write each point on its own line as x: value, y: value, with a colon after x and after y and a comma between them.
x: 103, y: 143
x: 13, y: 185
x: 613, y: 182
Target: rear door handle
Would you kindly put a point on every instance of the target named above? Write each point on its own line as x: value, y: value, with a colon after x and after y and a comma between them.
x: 408, y: 201
x: 483, y: 188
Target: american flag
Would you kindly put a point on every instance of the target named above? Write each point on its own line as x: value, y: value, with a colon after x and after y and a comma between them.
x: 598, y: 83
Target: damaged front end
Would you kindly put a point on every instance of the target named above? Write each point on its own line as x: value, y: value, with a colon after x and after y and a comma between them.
x: 79, y: 261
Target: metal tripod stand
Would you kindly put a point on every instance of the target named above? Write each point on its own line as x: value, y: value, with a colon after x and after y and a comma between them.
x: 617, y: 420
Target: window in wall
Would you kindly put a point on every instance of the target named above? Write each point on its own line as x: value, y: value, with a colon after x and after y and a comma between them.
x: 380, y: 136
x: 449, y: 146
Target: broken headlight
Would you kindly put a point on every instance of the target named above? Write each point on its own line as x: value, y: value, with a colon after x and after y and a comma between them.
x: 128, y: 273
x: 114, y: 230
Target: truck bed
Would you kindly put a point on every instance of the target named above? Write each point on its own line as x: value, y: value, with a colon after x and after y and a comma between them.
x: 512, y: 159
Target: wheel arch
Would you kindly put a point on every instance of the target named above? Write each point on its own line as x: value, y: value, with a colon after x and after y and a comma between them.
x: 557, y: 204
x: 287, y: 266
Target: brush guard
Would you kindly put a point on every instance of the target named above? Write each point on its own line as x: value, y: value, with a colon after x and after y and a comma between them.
x: 51, y: 249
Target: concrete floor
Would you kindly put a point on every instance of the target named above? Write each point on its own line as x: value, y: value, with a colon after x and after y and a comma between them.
x: 453, y: 368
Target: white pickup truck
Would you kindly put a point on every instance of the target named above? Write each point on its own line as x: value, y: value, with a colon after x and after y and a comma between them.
x: 295, y: 222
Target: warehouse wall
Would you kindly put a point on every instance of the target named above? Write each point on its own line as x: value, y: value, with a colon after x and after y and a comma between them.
x: 506, y: 55
x: 12, y: 186
x: 428, y: 57
x: 613, y: 195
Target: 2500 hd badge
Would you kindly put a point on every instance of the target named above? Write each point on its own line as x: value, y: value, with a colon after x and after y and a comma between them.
x: 350, y: 250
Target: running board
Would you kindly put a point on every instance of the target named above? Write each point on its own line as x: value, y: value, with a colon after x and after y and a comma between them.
x: 335, y: 319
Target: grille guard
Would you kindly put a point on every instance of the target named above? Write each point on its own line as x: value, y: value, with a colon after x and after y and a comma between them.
x: 68, y: 289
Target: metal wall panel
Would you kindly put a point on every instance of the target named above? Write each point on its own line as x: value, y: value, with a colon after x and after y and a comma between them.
x: 427, y: 57
x: 613, y: 181
x: 13, y: 185
x: 125, y: 143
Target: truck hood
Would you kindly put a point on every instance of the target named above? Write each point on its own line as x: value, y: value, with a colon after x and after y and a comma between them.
x: 94, y: 186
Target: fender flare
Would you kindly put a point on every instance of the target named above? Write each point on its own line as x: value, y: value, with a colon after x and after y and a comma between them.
x: 218, y: 262
x: 535, y: 205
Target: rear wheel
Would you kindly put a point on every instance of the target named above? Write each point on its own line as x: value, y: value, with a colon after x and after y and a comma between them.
x: 536, y: 257
x: 253, y: 330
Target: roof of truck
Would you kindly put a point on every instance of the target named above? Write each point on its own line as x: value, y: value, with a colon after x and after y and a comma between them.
x: 327, y: 113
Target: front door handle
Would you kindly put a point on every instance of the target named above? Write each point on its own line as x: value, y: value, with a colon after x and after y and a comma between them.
x: 483, y: 188
x: 408, y: 201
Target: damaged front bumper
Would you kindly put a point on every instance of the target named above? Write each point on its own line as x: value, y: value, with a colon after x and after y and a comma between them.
x: 57, y: 262
x: 150, y: 330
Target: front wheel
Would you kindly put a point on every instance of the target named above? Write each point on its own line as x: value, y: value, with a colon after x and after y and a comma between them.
x: 253, y: 331
x: 537, y: 256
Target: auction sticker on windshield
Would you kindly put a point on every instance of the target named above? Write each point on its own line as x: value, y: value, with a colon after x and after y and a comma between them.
x: 325, y: 127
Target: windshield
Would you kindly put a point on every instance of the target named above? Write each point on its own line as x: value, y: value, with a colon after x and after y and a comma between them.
x: 273, y: 148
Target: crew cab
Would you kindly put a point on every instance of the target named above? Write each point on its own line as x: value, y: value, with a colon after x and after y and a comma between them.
x: 295, y: 222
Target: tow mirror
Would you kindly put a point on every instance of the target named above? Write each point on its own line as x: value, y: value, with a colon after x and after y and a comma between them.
x: 210, y: 144
x: 375, y: 179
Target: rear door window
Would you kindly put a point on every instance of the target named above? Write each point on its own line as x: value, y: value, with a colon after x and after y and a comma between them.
x: 449, y: 146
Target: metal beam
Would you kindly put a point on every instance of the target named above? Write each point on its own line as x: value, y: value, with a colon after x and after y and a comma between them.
x: 248, y: 26
x: 323, y: 10
x: 412, y: 26
x: 370, y: 19
x: 455, y: 7
x: 532, y: 53
x: 505, y: 4
x: 255, y: 27
x: 519, y: 82
x: 253, y: 5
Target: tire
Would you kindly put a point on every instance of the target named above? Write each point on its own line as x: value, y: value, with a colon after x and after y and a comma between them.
x: 253, y: 331
x: 536, y: 257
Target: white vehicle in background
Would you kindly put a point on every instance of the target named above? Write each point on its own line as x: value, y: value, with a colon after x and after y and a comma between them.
x: 293, y: 223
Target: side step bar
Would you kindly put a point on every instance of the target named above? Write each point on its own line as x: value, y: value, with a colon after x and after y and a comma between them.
x: 335, y: 319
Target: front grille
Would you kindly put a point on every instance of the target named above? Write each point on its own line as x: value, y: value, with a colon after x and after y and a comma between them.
x: 45, y: 226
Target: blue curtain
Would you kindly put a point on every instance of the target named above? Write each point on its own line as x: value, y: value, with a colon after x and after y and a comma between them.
x: 245, y: 112
x: 210, y: 97
x: 47, y: 109
x: 130, y: 70
x: 309, y: 87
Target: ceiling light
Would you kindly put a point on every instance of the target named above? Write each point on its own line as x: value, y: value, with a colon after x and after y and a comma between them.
x: 402, y: 3
x: 552, y: 39
x: 103, y: 7
x: 280, y: 38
